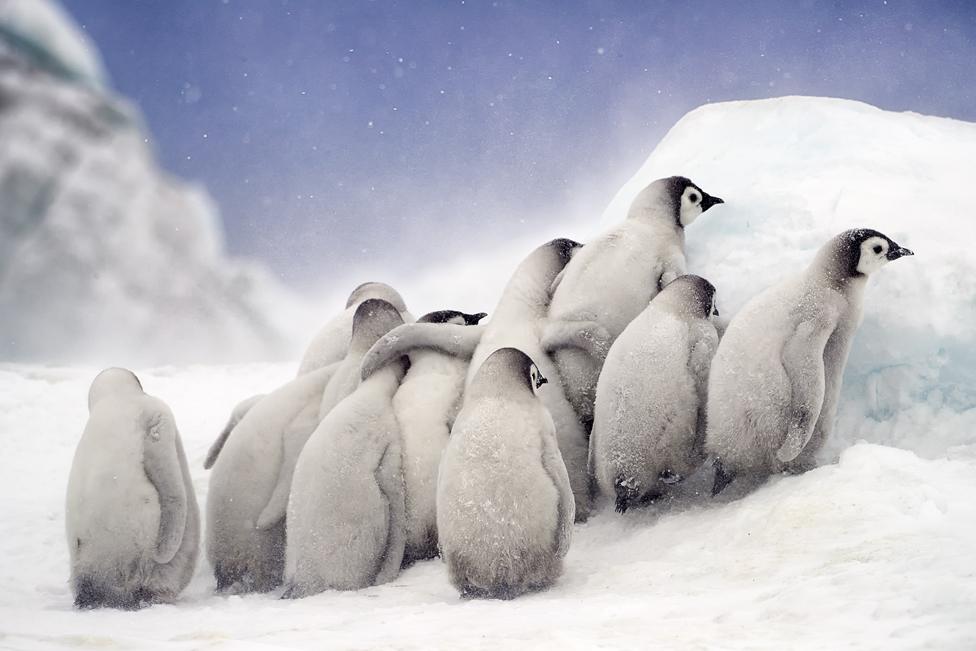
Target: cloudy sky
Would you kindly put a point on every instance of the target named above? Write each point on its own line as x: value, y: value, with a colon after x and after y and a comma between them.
x: 338, y: 135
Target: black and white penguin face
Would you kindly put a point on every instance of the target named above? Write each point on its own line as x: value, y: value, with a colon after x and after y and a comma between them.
x: 536, y: 378
x: 694, y: 201
x: 714, y: 311
x: 452, y: 316
x: 876, y: 251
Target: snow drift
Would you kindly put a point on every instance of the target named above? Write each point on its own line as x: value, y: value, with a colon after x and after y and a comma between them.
x: 868, y: 553
x: 102, y: 253
x: 797, y: 170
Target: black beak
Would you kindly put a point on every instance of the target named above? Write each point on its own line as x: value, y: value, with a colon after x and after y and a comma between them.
x: 540, y: 380
x: 714, y: 311
x: 898, y: 252
x: 708, y: 201
x: 473, y: 319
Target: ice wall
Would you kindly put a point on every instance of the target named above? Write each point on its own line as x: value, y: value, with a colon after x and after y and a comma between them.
x: 795, y: 171
x: 103, y: 256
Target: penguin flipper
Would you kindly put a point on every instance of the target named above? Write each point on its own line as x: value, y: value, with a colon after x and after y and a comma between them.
x: 293, y: 439
x: 589, y: 336
x: 161, y: 464
x: 555, y: 282
x: 449, y: 338
x: 804, y: 365
x: 389, y: 477
x: 277, y: 505
x: 236, y: 415
x: 722, y: 477
x: 552, y: 462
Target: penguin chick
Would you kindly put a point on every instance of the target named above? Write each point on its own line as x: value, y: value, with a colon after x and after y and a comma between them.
x: 776, y: 377
x: 649, y: 423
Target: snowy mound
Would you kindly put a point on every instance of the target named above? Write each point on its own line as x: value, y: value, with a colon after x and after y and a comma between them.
x: 42, y: 31
x: 102, y: 255
x: 797, y: 170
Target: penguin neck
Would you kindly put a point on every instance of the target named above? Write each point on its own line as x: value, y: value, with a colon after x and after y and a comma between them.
x: 658, y: 211
x: 661, y: 225
x: 685, y: 308
x: 833, y: 268
x: 390, y: 376
x: 529, y: 289
x: 497, y: 382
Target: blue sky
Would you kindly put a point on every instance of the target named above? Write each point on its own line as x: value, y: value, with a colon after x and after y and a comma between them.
x: 335, y: 134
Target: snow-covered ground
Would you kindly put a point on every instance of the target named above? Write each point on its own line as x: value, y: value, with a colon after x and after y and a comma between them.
x: 872, y: 552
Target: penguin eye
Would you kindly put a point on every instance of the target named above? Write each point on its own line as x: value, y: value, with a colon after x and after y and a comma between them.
x: 693, y: 197
x: 877, y: 248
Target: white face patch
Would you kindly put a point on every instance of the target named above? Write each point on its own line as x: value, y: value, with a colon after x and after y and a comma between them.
x: 536, y: 378
x: 690, y: 207
x: 874, y: 255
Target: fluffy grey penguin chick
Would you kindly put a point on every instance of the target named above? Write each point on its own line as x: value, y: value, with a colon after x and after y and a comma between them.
x: 346, y: 523
x: 504, y: 504
x: 250, y: 482
x: 331, y: 342
x: 438, y: 346
x: 372, y: 320
x: 649, y: 421
x: 329, y: 346
x: 519, y: 321
x: 132, y: 522
x: 615, y: 276
x: 776, y: 377
x: 236, y: 415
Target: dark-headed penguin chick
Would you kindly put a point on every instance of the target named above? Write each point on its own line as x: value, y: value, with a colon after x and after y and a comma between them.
x: 439, y: 347
x: 346, y: 524
x: 649, y: 422
x: 253, y: 465
x: 504, y: 504
x: 776, y: 377
x: 373, y: 318
x: 616, y: 275
x: 519, y: 321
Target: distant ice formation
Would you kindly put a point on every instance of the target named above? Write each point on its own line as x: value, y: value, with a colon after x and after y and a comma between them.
x: 103, y: 256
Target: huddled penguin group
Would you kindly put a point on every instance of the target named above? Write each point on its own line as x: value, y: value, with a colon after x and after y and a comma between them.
x: 601, y: 376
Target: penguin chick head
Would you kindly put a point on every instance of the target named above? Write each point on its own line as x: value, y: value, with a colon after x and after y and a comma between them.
x: 862, y: 251
x: 113, y: 381
x: 373, y: 318
x: 676, y: 199
x: 564, y: 248
x: 452, y: 316
x: 507, y: 370
x: 376, y: 290
x: 690, y: 295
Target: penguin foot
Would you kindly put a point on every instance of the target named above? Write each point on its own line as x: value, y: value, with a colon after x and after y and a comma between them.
x: 669, y: 477
x: 627, y: 493
x: 722, y: 478
x: 292, y: 591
